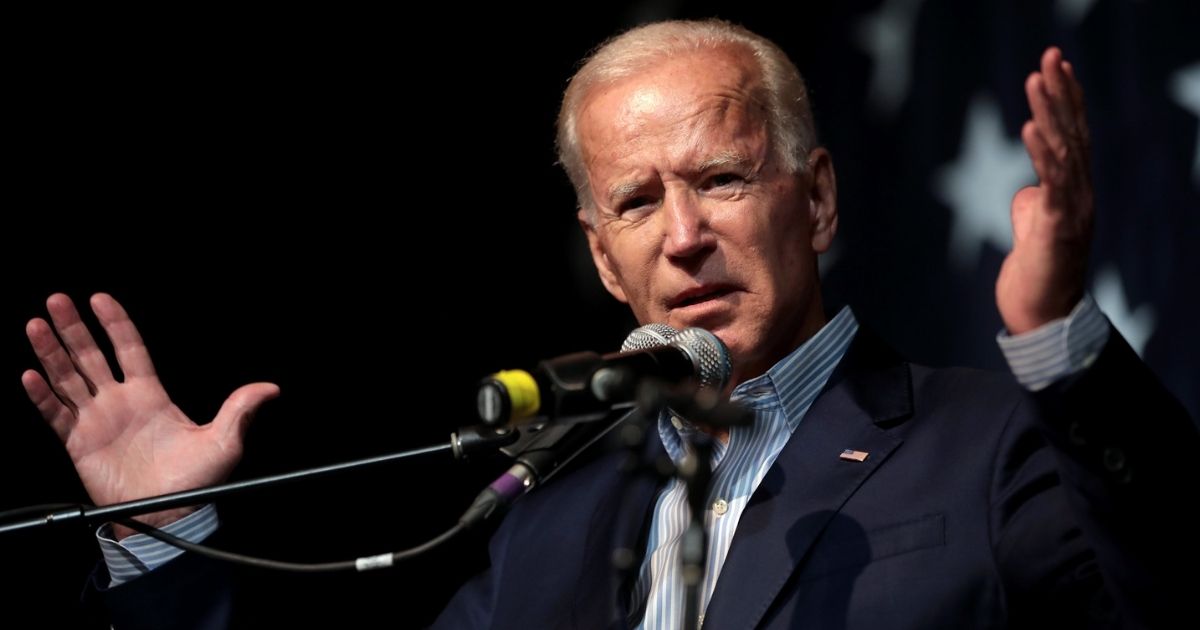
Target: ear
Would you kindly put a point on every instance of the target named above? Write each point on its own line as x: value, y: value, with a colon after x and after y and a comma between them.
x: 822, y: 199
x: 607, y: 275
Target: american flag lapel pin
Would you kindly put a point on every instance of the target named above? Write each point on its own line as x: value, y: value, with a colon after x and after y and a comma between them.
x: 851, y: 455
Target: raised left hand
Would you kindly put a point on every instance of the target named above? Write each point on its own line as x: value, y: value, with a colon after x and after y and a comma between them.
x: 126, y: 438
x: 1042, y: 278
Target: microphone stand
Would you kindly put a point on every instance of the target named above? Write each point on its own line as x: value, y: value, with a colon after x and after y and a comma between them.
x: 695, y: 469
x: 696, y: 472
x: 462, y: 444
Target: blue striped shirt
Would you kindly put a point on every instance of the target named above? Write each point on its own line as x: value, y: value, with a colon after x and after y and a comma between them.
x: 783, y: 394
x: 138, y: 554
x: 779, y: 398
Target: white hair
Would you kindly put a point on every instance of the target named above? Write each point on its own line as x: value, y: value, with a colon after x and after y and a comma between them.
x: 789, y: 118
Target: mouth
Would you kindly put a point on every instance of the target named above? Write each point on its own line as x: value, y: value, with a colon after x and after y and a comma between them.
x: 699, y: 295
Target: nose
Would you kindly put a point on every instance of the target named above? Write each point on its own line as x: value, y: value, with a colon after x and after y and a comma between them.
x: 686, y: 233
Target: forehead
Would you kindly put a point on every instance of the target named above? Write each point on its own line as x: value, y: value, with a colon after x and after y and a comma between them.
x: 688, y: 101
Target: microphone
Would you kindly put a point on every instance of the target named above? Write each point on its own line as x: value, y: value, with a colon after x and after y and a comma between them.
x: 602, y: 384
x: 587, y: 386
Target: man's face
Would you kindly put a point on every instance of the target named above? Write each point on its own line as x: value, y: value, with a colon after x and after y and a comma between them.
x: 697, y: 221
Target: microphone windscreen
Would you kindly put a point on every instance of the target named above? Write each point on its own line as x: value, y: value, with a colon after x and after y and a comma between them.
x: 649, y: 336
x: 708, y: 354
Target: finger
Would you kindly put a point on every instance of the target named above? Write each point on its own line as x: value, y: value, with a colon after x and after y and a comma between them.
x: 1044, y: 117
x: 63, y: 377
x: 1081, y: 127
x: 1059, y: 92
x: 131, y: 352
x: 1036, y: 147
x: 1045, y: 164
x: 1075, y: 90
x: 78, y: 340
x: 239, y: 409
x: 60, y: 418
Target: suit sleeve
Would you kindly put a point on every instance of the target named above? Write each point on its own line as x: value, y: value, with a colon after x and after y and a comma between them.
x: 1086, y: 484
x: 190, y: 592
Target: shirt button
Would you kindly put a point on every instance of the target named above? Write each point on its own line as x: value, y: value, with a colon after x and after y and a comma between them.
x: 677, y: 421
x: 720, y: 507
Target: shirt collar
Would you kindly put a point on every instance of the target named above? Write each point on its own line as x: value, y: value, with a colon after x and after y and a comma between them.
x: 792, y: 383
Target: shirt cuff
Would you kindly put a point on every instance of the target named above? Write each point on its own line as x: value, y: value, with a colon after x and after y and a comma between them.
x: 140, y: 554
x: 1058, y: 349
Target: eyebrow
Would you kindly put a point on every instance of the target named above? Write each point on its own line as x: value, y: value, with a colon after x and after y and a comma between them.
x: 619, y: 192
x: 725, y: 158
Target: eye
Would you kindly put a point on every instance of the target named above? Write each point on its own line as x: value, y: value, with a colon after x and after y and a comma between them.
x: 722, y: 179
x: 633, y: 203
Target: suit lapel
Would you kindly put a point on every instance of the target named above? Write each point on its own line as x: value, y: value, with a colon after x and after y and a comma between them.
x: 809, y: 483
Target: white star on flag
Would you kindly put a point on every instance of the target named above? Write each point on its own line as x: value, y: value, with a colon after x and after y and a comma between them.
x: 1185, y: 89
x: 887, y: 35
x: 1136, y: 325
x: 980, y: 184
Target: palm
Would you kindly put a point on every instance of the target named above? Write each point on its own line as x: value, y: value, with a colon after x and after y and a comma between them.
x: 131, y: 441
x: 126, y: 438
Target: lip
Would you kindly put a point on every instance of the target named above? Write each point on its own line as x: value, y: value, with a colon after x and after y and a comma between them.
x: 699, y: 295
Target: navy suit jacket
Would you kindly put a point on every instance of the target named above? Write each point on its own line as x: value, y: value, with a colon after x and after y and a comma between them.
x: 978, y: 506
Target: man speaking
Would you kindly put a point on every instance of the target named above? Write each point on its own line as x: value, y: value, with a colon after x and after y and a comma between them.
x: 867, y: 492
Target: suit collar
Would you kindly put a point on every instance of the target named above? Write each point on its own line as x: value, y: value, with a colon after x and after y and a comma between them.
x: 876, y: 378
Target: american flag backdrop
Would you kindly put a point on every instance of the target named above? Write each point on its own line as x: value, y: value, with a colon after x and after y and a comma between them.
x: 365, y: 209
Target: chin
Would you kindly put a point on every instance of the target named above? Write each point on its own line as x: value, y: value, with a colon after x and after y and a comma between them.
x: 746, y: 348
x: 738, y: 344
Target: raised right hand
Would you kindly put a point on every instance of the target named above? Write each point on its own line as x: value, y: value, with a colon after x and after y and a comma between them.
x: 126, y: 438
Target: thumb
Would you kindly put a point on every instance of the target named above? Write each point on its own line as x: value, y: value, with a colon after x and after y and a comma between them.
x: 239, y: 409
x: 1023, y: 204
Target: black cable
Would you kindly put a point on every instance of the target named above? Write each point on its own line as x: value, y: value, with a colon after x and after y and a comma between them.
x: 359, y: 564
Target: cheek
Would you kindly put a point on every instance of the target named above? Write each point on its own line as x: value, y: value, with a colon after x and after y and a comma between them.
x: 792, y: 266
x: 629, y: 259
x: 635, y: 271
x: 791, y: 241
x: 781, y: 261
